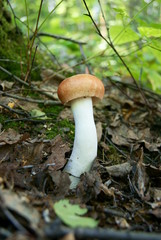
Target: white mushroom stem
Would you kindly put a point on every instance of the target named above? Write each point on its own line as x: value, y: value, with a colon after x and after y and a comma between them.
x: 85, y: 142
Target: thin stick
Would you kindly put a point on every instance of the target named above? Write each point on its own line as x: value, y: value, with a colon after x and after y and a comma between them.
x: 32, y: 43
x: 32, y: 63
x: 12, y: 110
x: 84, y: 58
x: 49, y: 15
x: 57, y: 231
x: 45, y: 102
x: 42, y: 34
x: 27, y: 84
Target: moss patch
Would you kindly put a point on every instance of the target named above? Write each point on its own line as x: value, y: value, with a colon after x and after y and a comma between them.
x: 16, y: 125
x: 64, y: 127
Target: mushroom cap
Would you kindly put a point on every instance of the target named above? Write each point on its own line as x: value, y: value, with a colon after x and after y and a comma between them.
x: 80, y: 85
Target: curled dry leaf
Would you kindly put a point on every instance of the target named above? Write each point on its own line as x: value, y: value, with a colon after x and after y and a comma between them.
x: 108, y: 191
x: 104, y: 146
x: 9, y: 136
x: 141, y: 178
x: 156, y: 212
x: 122, y: 222
x: 124, y: 135
x: 6, y: 85
x: 119, y: 170
x: 157, y: 194
x: 153, y: 171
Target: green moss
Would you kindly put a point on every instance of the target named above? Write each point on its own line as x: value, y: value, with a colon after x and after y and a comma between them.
x: 51, y: 110
x: 114, y: 156
x: 65, y: 128
x: 11, y: 43
x: 16, y: 125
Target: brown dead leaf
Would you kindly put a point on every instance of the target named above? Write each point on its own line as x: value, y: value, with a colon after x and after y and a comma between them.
x: 156, y: 212
x: 6, y: 152
x: 6, y: 85
x: 141, y: 178
x: 27, y: 106
x: 153, y: 171
x: 108, y: 191
x: 155, y: 205
x: 104, y: 146
x: 57, y: 158
x: 122, y: 222
x: 157, y: 194
x: 10, y: 137
x: 124, y: 135
x: 21, y: 206
x: 28, y: 153
x: 89, y: 186
x: 119, y: 170
x: 61, y: 182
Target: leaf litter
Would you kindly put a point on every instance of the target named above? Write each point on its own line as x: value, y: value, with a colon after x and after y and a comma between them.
x: 123, y: 189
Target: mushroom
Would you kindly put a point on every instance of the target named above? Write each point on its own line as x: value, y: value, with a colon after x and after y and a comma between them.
x: 81, y: 91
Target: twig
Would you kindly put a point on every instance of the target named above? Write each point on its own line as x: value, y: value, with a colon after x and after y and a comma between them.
x: 26, y: 84
x: 120, y: 151
x: 123, y: 92
x: 129, y: 85
x: 10, y: 60
x: 56, y: 232
x: 58, y: 37
x: 44, y: 102
x: 84, y: 58
x: 14, y: 221
x: 30, y: 47
x: 29, y: 119
x: 33, y: 59
x: 109, y: 211
x: 12, y: 110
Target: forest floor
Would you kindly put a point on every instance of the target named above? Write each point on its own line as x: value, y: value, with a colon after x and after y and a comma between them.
x: 122, y: 192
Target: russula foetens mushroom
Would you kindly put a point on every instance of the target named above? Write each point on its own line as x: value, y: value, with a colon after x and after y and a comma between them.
x: 81, y: 91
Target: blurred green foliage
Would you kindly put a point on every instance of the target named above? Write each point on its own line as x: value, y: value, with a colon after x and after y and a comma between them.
x: 134, y: 27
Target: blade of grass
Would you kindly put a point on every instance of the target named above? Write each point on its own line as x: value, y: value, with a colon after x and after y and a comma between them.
x: 49, y: 14
x: 28, y: 27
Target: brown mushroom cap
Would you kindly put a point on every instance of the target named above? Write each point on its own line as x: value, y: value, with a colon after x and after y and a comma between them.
x: 80, y: 85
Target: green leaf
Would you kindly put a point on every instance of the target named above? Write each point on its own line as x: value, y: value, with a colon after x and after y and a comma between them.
x: 150, y: 31
x: 36, y: 113
x: 71, y: 214
x: 155, y: 80
x: 121, y: 35
x: 121, y: 11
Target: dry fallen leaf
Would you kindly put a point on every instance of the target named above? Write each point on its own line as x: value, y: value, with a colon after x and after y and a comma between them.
x: 122, y: 222
x: 57, y: 159
x: 10, y: 136
x: 119, y: 170
x: 20, y: 206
